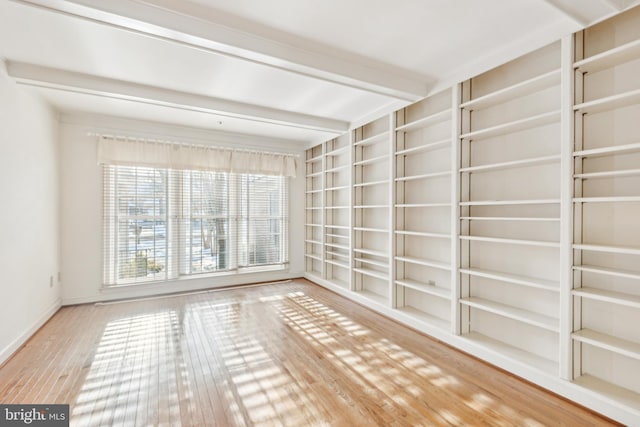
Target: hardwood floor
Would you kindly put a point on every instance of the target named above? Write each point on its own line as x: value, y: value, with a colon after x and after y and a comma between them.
x: 291, y: 354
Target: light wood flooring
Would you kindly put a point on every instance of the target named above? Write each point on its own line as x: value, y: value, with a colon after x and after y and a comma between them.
x: 291, y: 354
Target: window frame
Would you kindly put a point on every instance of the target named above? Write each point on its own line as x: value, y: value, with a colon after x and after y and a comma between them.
x: 177, y: 267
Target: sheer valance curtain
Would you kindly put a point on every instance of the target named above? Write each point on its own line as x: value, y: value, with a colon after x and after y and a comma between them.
x: 159, y: 154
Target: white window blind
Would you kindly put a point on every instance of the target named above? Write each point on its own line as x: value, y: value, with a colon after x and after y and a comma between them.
x: 262, y: 220
x: 136, y: 221
x: 161, y: 224
x: 205, y: 221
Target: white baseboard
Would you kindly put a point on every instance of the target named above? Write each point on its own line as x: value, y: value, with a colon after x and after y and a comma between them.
x: 181, y: 286
x: 15, y: 345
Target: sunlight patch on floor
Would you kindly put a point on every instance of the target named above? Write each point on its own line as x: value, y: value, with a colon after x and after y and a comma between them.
x: 119, y: 374
x: 250, y: 376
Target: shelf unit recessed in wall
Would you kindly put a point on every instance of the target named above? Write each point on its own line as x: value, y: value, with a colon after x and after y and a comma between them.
x: 337, y: 214
x: 504, y: 219
x: 314, y: 218
x: 423, y: 238
x: 371, y: 163
x: 509, y: 209
x: 606, y: 277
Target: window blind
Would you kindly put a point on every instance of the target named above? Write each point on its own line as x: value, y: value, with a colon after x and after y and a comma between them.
x: 161, y: 224
x: 262, y: 220
x: 205, y: 221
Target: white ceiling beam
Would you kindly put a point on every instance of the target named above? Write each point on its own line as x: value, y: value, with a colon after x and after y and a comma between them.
x: 196, y: 26
x: 34, y: 75
x: 616, y: 5
x: 588, y: 12
x: 572, y: 14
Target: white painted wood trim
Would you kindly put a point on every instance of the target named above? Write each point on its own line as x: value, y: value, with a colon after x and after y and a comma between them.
x: 9, y: 350
x: 454, y: 144
x: 53, y: 78
x: 523, y: 88
x: 566, y: 207
x: 198, y: 27
x: 391, y: 208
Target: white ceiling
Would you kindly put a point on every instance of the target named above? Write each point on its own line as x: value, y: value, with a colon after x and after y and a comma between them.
x: 299, y: 70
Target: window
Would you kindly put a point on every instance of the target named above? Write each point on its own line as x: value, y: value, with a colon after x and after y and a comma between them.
x: 204, y: 222
x: 262, y: 220
x: 161, y: 224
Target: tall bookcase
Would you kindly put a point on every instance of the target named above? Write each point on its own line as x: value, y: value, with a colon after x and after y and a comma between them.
x: 337, y: 216
x: 502, y: 216
x: 372, y: 211
x: 510, y: 208
x: 606, y: 281
x: 314, y: 206
x: 423, y: 239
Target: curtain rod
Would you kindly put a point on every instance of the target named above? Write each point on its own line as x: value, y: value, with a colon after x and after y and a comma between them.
x: 164, y: 141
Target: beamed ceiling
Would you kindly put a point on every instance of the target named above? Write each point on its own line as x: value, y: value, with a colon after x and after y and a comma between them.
x: 297, y: 70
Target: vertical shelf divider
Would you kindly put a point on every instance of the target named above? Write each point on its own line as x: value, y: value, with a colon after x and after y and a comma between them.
x: 350, y: 160
x: 456, y: 95
x: 566, y: 206
x: 399, y: 144
x: 576, y: 185
x: 355, y: 237
x: 323, y: 204
x: 392, y: 210
x: 463, y: 194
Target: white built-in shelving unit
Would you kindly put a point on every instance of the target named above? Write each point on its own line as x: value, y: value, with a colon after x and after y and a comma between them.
x: 314, y: 207
x: 423, y: 206
x: 337, y: 214
x: 502, y: 216
x: 606, y: 279
x: 510, y: 208
x: 372, y: 234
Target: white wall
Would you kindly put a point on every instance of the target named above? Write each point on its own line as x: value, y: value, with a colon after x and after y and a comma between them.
x: 81, y: 218
x: 29, y: 196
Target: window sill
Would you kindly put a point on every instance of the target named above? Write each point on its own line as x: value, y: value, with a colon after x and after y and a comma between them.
x: 230, y: 273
